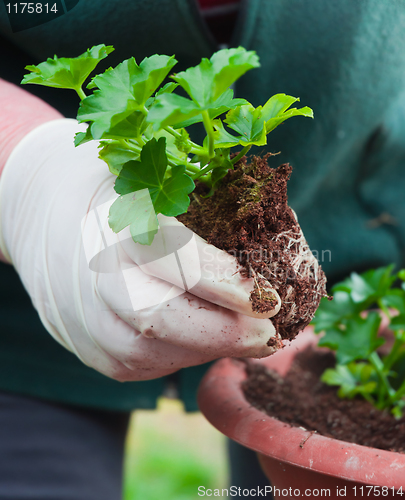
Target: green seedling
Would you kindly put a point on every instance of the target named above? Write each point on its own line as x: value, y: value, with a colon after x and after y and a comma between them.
x: 143, y: 126
x: 351, y: 329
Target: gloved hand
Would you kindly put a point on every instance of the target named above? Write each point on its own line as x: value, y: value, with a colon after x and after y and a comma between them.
x: 179, y: 308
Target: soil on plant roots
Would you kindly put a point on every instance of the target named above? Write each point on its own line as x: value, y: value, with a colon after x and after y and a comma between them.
x: 248, y: 217
x: 302, y: 400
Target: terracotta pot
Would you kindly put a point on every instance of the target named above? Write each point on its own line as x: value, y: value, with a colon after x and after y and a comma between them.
x: 296, y: 460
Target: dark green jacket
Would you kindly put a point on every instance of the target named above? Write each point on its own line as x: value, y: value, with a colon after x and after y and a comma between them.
x: 344, y: 58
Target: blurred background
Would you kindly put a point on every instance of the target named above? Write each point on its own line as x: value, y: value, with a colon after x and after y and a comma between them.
x: 169, y: 453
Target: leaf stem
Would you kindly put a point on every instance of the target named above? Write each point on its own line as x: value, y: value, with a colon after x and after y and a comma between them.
x: 210, y: 133
x: 394, y: 353
x: 198, y: 150
x: 385, y: 387
x: 399, y: 393
x: 81, y: 93
x: 201, y: 172
x: 244, y: 151
x: 173, y: 132
x: 173, y: 161
x: 130, y: 145
x: 192, y: 168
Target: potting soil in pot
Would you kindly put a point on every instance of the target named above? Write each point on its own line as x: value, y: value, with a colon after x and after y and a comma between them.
x: 302, y: 400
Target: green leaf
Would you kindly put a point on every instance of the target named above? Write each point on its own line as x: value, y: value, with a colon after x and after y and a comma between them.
x: 152, y: 71
x: 122, y: 91
x: 113, y: 102
x: 253, y: 124
x: 135, y: 210
x: 148, y: 172
x: 357, y: 341
x: 277, y: 105
x: 331, y: 313
x: 83, y: 137
x: 116, y: 154
x: 249, y: 123
x: 179, y: 112
x: 131, y: 127
x: 169, y: 191
x: 206, y: 82
x: 276, y: 111
x: 369, y: 286
x: 167, y: 89
x: 172, y: 199
x: 339, y: 376
x: 223, y: 139
x: 358, y: 288
x: 171, y: 109
x: 64, y: 72
x: 395, y: 299
x: 397, y: 411
x: 352, y: 379
x: 223, y: 104
x: 145, y: 78
x: 398, y: 322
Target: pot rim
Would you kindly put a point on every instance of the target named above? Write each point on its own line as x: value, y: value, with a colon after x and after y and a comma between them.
x: 250, y: 427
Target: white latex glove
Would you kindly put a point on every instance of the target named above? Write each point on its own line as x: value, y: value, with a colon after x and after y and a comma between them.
x: 129, y: 322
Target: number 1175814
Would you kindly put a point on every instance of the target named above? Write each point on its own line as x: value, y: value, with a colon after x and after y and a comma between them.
x: 31, y: 8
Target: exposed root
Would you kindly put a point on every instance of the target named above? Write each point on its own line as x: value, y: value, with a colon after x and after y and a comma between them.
x: 304, y: 267
x: 256, y: 283
x: 262, y: 298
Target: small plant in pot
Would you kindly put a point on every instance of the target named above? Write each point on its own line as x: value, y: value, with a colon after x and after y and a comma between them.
x: 347, y: 442
x: 236, y: 204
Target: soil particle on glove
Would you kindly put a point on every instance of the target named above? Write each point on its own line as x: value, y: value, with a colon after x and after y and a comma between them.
x: 302, y: 400
x: 248, y: 216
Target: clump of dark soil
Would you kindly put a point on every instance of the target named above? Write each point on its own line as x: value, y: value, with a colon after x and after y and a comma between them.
x: 248, y: 216
x: 302, y: 400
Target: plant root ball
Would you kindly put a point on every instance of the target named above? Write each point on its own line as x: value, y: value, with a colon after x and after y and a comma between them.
x: 248, y: 216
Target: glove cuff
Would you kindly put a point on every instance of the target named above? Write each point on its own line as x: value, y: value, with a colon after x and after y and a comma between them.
x: 10, y: 169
